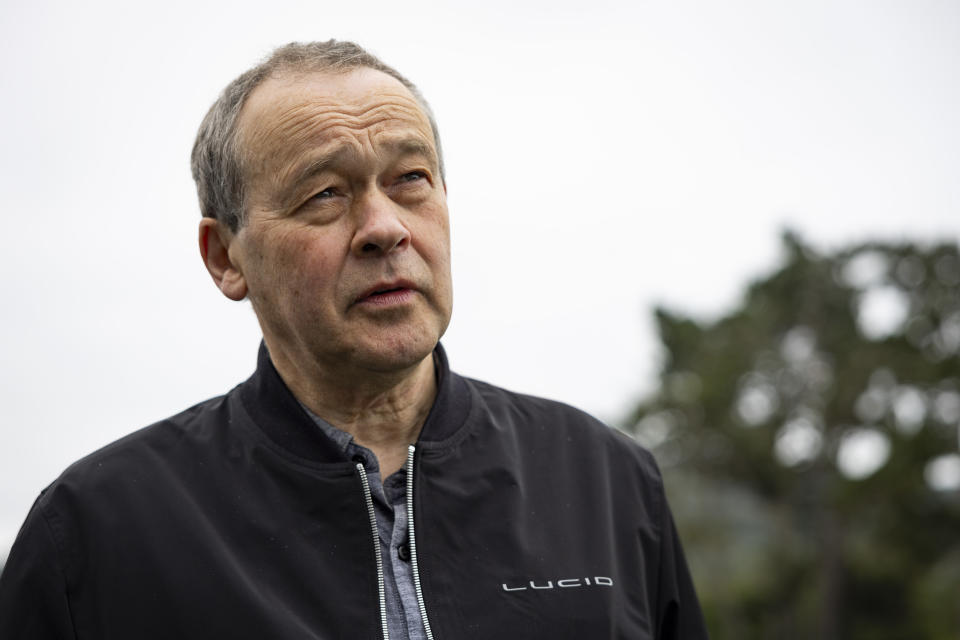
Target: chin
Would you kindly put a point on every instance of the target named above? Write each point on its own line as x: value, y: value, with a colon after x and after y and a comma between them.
x: 387, y: 353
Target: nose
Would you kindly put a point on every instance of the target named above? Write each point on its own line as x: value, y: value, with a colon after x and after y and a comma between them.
x: 380, y: 229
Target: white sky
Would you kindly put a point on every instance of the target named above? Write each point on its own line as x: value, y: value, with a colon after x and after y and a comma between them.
x: 602, y: 157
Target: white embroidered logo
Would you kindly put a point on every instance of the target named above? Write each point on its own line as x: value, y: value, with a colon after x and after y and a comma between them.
x: 563, y: 583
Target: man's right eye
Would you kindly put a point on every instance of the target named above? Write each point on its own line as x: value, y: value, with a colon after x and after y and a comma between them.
x: 322, y: 195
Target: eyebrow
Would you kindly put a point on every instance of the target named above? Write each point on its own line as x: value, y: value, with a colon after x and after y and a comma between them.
x: 317, y: 166
x: 412, y: 147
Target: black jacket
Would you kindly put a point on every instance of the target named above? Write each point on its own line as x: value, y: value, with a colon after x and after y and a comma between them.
x: 239, y: 519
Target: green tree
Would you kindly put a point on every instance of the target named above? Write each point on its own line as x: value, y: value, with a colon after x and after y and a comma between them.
x: 811, y: 443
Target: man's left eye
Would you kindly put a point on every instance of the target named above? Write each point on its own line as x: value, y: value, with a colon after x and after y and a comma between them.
x: 412, y: 176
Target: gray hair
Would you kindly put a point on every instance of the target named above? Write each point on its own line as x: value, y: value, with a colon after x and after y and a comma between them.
x: 217, y: 160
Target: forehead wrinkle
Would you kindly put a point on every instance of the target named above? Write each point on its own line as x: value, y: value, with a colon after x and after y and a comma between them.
x: 292, y: 115
x: 304, y: 125
x: 282, y: 96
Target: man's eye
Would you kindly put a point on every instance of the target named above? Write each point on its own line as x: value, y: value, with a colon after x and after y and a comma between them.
x: 413, y: 176
x: 323, y: 195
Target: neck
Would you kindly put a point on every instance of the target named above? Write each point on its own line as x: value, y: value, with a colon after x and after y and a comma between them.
x: 383, y: 411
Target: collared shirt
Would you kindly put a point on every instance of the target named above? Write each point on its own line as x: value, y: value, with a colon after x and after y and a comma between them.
x: 390, y: 506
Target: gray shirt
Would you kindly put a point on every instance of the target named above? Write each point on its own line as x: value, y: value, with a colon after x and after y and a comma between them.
x: 390, y: 506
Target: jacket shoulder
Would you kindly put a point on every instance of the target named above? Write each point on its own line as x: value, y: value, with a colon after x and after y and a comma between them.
x: 561, y: 429
x: 142, y: 456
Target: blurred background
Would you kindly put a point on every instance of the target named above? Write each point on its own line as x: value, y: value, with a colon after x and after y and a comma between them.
x: 729, y: 229
x: 809, y: 438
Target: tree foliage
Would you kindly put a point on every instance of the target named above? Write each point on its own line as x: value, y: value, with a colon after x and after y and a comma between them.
x: 811, y: 439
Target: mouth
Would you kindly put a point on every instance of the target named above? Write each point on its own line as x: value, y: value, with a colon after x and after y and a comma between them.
x: 386, y: 293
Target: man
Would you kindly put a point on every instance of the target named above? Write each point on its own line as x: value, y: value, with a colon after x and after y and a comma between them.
x: 353, y: 487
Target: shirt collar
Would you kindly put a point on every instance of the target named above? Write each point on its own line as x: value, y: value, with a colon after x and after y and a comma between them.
x: 276, y: 411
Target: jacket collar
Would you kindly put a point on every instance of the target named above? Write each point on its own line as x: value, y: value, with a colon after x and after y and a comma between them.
x: 275, y: 410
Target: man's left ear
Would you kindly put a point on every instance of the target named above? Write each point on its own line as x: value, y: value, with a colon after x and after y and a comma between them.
x: 215, y: 251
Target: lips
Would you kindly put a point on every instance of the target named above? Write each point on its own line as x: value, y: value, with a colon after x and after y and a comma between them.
x: 385, y: 292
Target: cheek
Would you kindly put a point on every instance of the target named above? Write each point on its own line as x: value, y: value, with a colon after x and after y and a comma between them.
x: 297, y: 269
x: 435, y: 249
x: 435, y: 237
x: 314, y: 276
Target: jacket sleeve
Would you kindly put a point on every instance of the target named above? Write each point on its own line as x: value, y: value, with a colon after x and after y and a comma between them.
x: 680, y: 617
x: 33, y: 594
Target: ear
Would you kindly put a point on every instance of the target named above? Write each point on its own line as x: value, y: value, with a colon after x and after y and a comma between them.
x: 215, y: 242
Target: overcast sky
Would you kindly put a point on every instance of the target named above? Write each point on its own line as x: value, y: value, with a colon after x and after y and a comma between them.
x: 602, y: 157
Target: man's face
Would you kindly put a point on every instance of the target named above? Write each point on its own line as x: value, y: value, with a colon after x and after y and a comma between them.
x: 345, y: 254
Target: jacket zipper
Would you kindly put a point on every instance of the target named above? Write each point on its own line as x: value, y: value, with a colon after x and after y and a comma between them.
x: 376, y: 549
x: 413, y: 545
